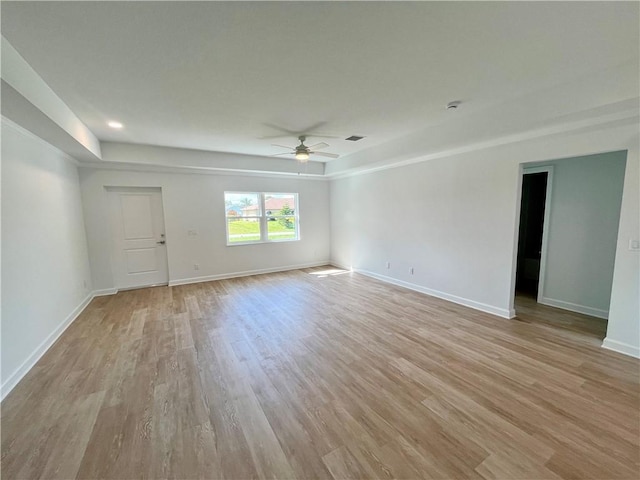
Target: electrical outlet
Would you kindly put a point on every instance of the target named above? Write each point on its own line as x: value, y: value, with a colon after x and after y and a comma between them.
x: 196, y: 266
x: 388, y: 264
x: 192, y: 233
x: 411, y: 270
x: 634, y: 244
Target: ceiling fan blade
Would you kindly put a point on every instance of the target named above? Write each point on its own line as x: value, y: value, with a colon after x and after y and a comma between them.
x: 270, y: 137
x: 314, y: 135
x: 325, y: 154
x: 282, y: 146
x: 285, y: 153
x: 318, y: 146
x: 314, y: 127
x: 280, y: 129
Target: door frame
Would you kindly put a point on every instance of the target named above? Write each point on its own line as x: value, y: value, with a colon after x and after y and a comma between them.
x: 548, y: 169
x: 108, y: 189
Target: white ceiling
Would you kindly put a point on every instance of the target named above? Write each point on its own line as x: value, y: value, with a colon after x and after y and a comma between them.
x: 220, y: 76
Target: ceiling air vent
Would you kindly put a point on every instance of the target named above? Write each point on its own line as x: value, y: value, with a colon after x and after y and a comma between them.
x: 354, y: 138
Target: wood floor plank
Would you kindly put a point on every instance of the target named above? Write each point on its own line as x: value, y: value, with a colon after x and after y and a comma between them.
x: 343, y: 465
x: 67, y: 455
x: 322, y: 373
x: 104, y: 456
x: 517, y: 467
x: 290, y: 424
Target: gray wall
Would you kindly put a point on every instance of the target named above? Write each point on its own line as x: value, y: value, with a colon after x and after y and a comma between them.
x: 582, y: 233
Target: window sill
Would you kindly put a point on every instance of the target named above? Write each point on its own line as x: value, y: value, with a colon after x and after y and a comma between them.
x: 260, y: 242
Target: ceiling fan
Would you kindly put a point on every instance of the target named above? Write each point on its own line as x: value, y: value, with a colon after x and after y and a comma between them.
x: 302, y: 152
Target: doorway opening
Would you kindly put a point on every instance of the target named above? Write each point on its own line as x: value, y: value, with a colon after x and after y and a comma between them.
x: 534, y: 216
x: 535, y: 208
x: 564, y: 255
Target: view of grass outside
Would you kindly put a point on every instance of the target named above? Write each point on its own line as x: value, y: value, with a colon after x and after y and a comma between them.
x: 243, y: 230
x: 248, y: 230
x: 284, y: 228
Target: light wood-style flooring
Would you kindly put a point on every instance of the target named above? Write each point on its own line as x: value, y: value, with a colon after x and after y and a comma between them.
x: 529, y: 310
x: 307, y: 374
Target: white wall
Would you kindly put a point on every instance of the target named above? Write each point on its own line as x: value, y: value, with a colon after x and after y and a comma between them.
x: 583, y: 232
x: 451, y: 220
x: 44, y: 253
x: 623, y: 331
x: 454, y: 219
x: 196, y: 202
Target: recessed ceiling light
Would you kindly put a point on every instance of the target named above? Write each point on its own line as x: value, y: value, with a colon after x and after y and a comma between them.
x: 116, y: 125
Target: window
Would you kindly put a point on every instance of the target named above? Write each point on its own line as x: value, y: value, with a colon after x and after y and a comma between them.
x: 254, y: 217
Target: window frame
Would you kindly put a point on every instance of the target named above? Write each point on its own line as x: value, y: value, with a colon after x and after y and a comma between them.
x: 263, y: 218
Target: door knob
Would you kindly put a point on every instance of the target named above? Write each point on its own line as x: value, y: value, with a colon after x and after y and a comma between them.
x: 161, y: 242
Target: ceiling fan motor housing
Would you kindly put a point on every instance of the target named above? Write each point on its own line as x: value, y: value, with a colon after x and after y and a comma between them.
x: 302, y: 151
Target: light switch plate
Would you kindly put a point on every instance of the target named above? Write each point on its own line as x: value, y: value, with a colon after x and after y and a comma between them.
x: 634, y: 244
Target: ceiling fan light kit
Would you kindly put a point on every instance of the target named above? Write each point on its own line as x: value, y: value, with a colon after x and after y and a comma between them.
x: 302, y: 156
x: 302, y: 152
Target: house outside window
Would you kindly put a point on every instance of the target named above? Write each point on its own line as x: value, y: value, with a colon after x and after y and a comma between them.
x: 257, y: 217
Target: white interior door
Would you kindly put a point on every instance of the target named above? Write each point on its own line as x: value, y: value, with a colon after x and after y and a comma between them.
x: 139, y: 253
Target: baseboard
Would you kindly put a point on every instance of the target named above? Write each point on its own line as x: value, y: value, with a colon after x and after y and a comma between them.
x: 105, y: 291
x: 339, y: 265
x: 10, y: 383
x: 483, y: 307
x: 574, y: 307
x: 223, y: 276
x: 621, y: 347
